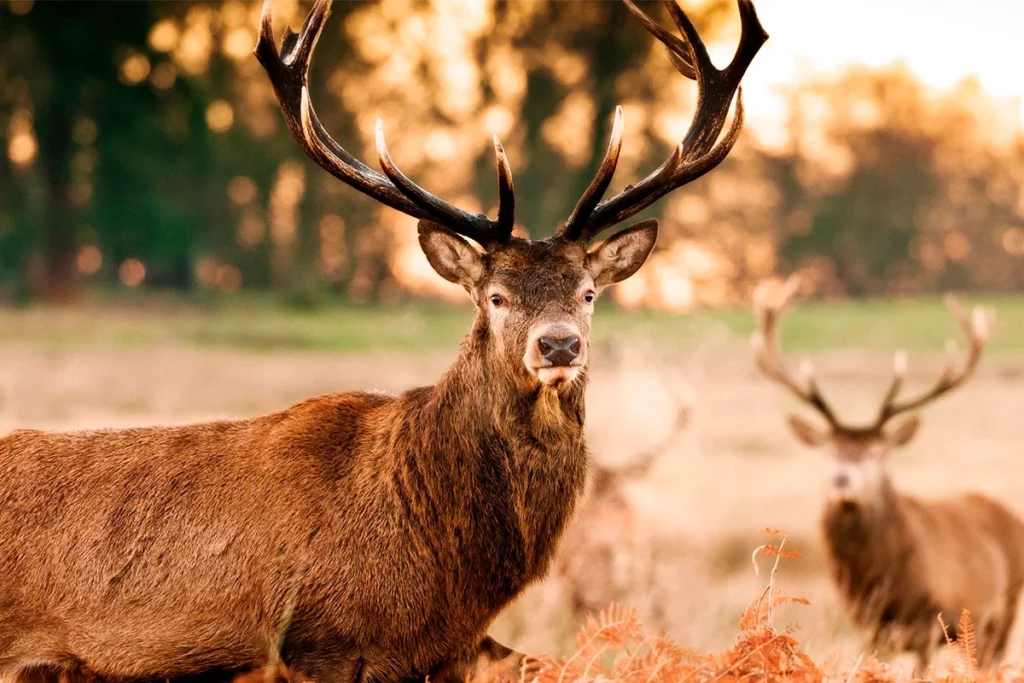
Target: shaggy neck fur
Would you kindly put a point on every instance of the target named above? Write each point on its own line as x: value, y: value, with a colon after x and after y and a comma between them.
x: 867, y: 545
x: 502, y: 458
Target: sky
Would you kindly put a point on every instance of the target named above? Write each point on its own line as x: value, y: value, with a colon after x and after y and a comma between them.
x: 941, y: 41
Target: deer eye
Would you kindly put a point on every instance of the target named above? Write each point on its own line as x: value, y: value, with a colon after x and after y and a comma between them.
x: 497, y: 301
x: 589, y: 296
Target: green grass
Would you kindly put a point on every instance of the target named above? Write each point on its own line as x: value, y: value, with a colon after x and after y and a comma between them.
x: 261, y: 324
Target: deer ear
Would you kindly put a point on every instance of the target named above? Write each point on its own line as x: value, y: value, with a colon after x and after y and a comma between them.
x: 454, y: 259
x: 805, y: 433
x: 904, y: 432
x: 623, y: 253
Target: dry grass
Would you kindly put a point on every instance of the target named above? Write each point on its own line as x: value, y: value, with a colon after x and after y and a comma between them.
x: 614, y: 647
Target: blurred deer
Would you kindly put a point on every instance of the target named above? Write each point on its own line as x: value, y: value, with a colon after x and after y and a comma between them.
x: 358, y: 536
x: 607, y: 555
x: 900, y: 562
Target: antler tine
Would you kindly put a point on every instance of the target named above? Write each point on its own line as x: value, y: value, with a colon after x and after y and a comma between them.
x: 289, y: 74
x: 701, y: 150
x: 899, y: 373
x: 770, y: 302
x: 575, y: 227
x: 977, y: 328
x: 679, y: 52
x: 487, y: 235
x: 506, y: 193
x: 682, y: 405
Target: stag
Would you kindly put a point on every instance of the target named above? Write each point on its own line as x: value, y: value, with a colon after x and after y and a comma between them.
x: 357, y: 536
x: 897, y: 561
x: 608, y: 553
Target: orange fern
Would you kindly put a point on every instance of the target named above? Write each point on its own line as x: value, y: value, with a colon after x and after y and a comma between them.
x: 613, y: 647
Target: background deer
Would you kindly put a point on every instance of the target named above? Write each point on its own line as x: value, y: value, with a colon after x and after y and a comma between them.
x: 608, y: 554
x: 900, y: 562
x: 360, y: 537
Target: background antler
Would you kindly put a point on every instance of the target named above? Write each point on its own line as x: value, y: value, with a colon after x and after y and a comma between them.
x: 770, y: 301
x: 977, y: 328
x: 289, y: 74
x: 698, y: 153
x: 682, y: 409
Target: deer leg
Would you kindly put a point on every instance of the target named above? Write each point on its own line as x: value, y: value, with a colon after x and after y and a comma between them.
x: 924, y: 643
x: 998, y: 649
x: 489, y: 662
x: 992, y: 652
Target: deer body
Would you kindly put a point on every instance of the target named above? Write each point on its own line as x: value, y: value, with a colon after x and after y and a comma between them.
x: 166, y: 552
x: 608, y: 552
x: 899, y: 566
x: 900, y: 563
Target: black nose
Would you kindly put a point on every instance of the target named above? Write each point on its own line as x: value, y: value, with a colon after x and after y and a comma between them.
x: 841, y: 481
x: 559, y: 352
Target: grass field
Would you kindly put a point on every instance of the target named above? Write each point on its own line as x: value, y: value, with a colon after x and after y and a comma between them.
x: 733, y: 471
x: 259, y: 324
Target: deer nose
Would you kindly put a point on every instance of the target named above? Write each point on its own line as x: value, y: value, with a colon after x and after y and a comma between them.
x: 841, y: 481
x: 559, y: 351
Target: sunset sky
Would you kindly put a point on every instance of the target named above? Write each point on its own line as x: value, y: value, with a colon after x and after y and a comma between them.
x: 941, y: 41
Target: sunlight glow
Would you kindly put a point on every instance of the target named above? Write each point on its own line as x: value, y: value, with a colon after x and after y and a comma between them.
x: 941, y: 42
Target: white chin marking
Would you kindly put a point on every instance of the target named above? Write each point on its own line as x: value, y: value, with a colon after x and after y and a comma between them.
x: 556, y: 375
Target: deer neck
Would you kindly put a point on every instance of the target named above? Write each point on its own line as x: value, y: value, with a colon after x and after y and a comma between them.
x: 488, y: 396
x: 529, y: 440
x: 867, y: 541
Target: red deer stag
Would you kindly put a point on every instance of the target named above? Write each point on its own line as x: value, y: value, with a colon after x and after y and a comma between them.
x: 900, y: 562
x: 361, y: 537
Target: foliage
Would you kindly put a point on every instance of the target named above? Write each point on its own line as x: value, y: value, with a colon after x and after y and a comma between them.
x: 614, y: 648
x: 149, y: 150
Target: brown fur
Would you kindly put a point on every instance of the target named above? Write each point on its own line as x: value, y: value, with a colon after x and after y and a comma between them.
x: 368, y: 537
x: 900, y: 562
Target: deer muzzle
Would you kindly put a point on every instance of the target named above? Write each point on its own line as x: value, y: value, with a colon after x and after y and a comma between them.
x: 555, y: 353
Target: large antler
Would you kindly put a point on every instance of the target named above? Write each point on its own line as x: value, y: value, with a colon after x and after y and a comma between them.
x: 770, y: 301
x: 977, y: 329
x: 700, y: 151
x: 289, y: 74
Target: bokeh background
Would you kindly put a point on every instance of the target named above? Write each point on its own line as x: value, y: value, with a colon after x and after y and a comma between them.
x: 168, y: 254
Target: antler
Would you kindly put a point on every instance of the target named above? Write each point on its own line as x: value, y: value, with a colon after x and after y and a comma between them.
x: 641, y: 464
x: 977, y: 329
x: 289, y: 74
x: 698, y: 153
x: 770, y: 301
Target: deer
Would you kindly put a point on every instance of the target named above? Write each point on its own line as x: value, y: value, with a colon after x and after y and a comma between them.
x: 608, y: 555
x: 357, y: 536
x: 901, y: 564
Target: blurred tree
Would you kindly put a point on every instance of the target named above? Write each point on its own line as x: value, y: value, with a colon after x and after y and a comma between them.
x: 113, y: 164
x: 138, y: 127
x: 57, y: 75
x: 141, y: 143
x: 892, y: 190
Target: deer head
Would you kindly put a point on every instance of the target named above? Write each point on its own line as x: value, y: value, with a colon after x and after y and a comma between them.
x: 534, y: 298
x: 859, y: 452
